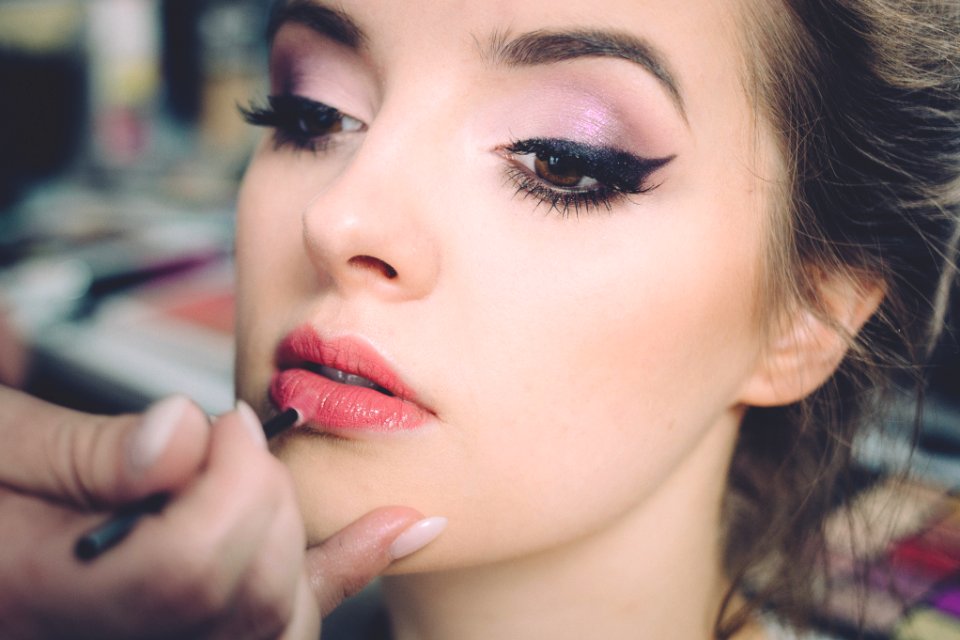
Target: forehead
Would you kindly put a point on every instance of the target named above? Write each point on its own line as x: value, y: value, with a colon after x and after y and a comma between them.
x: 450, y: 44
x: 693, y: 42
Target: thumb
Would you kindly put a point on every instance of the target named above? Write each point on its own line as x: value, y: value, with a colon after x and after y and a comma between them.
x: 344, y: 563
x: 92, y: 461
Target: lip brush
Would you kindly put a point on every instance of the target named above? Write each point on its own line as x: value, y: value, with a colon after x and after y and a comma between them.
x: 103, y: 537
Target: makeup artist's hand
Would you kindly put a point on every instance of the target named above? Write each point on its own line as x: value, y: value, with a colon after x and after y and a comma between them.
x: 225, y: 559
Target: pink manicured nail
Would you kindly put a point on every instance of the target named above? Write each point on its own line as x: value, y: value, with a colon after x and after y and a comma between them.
x: 153, y: 434
x: 417, y: 536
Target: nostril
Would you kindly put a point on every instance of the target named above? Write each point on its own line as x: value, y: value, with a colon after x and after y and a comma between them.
x: 374, y: 264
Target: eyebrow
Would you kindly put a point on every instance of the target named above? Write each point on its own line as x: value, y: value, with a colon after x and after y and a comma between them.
x: 550, y: 47
x: 528, y: 49
x: 333, y: 23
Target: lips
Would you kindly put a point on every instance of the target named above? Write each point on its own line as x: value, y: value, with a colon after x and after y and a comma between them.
x: 342, y: 386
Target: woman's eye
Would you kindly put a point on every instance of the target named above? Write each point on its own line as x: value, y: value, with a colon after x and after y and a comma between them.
x: 568, y: 175
x: 319, y: 120
x: 301, y: 122
x: 562, y: 171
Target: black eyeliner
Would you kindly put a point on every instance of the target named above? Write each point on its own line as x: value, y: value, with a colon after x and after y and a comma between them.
x: 616, y: 174
x: 615, y: 169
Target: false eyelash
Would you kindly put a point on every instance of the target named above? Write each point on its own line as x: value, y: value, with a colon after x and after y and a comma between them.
x: 618, y: 174
x: 563, y: 202
x: 285, y: 115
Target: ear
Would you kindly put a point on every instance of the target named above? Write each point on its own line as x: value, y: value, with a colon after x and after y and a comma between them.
x: 809, y: 344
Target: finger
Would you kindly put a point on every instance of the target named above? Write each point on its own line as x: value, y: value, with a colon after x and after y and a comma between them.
x: 266, y: 600
x: 344, y: 563
x: 193, y: 554
x: 91, y: 461
x: 306, y: 618
x: 268, y: 594
x: 207, y: 539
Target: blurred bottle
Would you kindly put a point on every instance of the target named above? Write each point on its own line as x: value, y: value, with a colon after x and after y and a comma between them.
x: 234, y: 70
x: 123, y: 44
x: 43, y: 105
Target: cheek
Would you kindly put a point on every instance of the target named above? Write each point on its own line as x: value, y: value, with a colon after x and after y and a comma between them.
x: 595, y: 371
x: 270, y: 266
x: 634, y: 311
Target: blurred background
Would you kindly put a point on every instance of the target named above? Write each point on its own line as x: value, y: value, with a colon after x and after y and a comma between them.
x: 121, y: 150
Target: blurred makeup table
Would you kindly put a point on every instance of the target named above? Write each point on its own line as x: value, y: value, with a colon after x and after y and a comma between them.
x: 120, y: 300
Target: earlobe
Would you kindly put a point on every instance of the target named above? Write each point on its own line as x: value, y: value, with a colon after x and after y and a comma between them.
x: 809, y: 344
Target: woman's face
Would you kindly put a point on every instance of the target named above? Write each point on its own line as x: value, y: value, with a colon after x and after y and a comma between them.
x: 537, y: 224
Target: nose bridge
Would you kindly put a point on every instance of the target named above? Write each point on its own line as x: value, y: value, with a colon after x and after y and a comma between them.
x: 369, y: 227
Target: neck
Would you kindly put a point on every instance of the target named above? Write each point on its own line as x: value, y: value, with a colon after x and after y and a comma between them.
x: 655, y: 572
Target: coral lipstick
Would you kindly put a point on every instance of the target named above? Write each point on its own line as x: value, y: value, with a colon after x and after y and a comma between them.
x: 342, y: 386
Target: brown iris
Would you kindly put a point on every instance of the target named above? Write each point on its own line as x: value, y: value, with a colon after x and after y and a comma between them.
x: 320, y: 122
x: 562, y: 171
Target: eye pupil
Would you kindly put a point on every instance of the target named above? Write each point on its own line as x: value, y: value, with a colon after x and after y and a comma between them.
x: 563, y: 171
x: 317, y: 122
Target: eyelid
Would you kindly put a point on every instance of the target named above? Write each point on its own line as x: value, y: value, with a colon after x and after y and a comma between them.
x: 617, y: 166
x: 617, y: 175
x: 287, y: 102
x: 292, y: 116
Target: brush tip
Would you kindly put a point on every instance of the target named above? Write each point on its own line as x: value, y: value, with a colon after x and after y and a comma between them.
x: 299, y: 419
x: 289, y: 417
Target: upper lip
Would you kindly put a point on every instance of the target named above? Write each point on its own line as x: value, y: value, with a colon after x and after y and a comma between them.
x: 304, y: 347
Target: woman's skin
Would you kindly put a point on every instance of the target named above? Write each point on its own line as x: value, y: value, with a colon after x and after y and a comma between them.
x: 584, y: 372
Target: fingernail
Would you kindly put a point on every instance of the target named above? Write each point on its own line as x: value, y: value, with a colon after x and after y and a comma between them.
x: 153, y: 433
x: 417, y: 536
x: 250, y: 420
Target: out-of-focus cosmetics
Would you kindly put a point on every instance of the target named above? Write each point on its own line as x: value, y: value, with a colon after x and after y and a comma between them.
x: 909, y: 586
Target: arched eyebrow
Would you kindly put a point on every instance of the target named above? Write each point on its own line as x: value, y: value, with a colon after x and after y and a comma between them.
x: 325, y: 20
x: 527, y: 49
x: 550, y: 47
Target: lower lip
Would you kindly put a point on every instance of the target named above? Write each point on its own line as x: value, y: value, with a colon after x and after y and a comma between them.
x: 334, y: 407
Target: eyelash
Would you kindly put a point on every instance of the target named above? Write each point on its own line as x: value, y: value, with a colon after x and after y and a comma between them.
x: 293, y: 119
x: 617, y: 174
x: 306, y: 125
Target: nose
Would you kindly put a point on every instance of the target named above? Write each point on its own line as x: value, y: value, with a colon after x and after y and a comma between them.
x: 368, y: 229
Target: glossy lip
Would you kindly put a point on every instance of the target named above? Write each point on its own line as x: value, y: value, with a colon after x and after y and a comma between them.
x: 333, y: 407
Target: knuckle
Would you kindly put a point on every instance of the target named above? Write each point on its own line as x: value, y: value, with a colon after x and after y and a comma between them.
x: 66, y: 450
x: 76, y: 454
